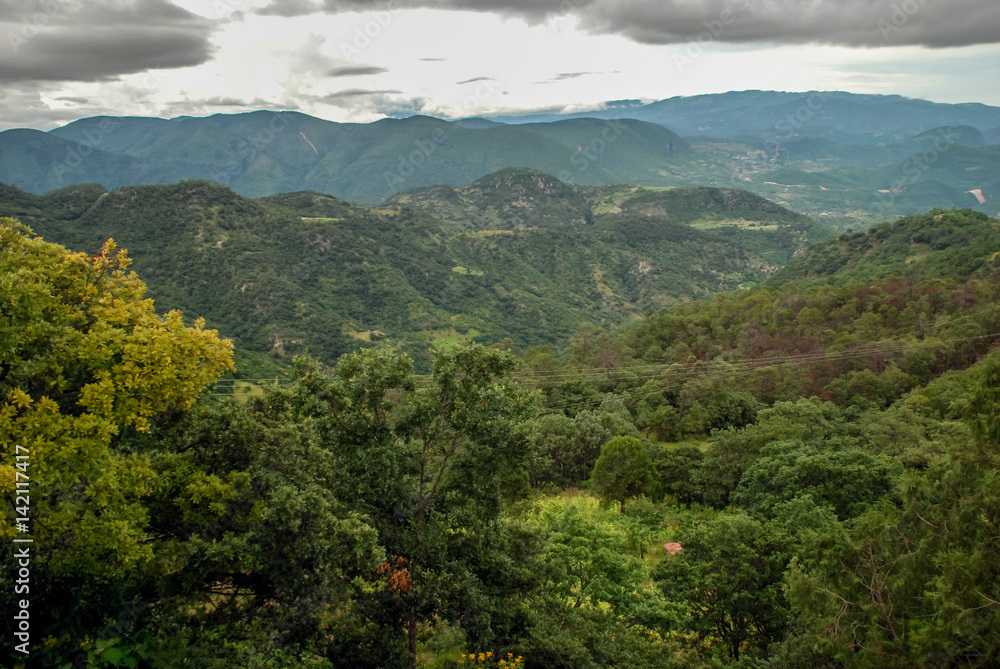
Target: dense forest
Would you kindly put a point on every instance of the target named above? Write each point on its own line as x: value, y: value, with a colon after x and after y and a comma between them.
x: 304, y: 272
x: 798, y: 474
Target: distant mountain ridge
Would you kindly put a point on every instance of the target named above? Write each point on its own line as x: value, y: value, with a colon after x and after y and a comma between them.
x: 849, y: 160
x: 263, y: 153
x: 847, y: 118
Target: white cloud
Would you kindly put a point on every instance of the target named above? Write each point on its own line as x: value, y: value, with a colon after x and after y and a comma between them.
x: 462, y: 63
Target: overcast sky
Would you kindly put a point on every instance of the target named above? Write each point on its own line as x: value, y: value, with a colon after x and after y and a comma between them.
x: 348, y: 60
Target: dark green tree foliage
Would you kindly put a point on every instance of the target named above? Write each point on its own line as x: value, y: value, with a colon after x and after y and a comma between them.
x: 254, y: 551
x: 731, y: 408
x: 730, y: 574
x: 427, y: 470
x: 623, y: 471
x: 733, y: 451
x: 917, y: 584
x: 848, y: 480
x: 565, y: 449
x: 676, y: 469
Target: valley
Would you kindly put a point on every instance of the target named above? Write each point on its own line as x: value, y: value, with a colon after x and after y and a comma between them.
x: 715, y: 385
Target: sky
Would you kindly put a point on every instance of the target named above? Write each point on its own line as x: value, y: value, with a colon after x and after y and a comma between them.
x: 354, y: 61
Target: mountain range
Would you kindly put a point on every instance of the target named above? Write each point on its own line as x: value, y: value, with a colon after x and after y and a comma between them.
x: 845, y: 118
x: 849, y: 160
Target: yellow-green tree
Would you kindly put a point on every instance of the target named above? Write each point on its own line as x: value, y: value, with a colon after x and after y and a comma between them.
x: 83, y: 358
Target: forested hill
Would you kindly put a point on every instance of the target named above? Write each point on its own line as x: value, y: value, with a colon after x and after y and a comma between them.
x: 263, y: 153
x: 937, y: 244
x: 859, y: 333
x: 520, y: 197
x: 305, y: 271
x: 852, y: 160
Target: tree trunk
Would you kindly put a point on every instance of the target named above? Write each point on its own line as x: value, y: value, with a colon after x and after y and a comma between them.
x: 411, y: 632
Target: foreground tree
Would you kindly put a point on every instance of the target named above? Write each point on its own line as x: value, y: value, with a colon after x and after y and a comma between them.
x: 623, y: 471
x: 428, y: 467
x: 730, y: 575
x: 84, y: 362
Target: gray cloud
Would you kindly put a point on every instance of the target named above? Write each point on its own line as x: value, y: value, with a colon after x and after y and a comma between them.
x: 224, y: 102
x: 354, y: 93
x: 473, y: 80
x: 564, y: 76
x: 23, y: 106
x: 400, y: 108
x: 355, y: 70
x: 387, y: 102
x: 623, y: 104
x: 290, y: 8
x: 73, y: 41
x: 201, y: 107
x: 855, y: 23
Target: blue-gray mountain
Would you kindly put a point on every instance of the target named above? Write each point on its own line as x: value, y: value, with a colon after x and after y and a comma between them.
x: 852, y: 160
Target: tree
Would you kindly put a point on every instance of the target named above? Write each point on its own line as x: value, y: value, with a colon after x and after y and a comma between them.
x: 623, y: 471
x: 590, y: 552
x: 730, y: 573
x: 426, y: 467
x: 253, y: 551
x: 849, y: 480
x: 916, y: 584
x: 676, y: 468
x: 562, y: 456
x: 730, y: 408
x: 733, y: 451
x: 85, y: 362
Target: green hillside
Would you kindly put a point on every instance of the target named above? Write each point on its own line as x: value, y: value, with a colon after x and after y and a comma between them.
x: 263, y: 153
x: 936, y: 244
x: 520, y: 198
x: 304, y: 271
x: 506, y: 200
x: 923, y: 155
x: 39, y: 162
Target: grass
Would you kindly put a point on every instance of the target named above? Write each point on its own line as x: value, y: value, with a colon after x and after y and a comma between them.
x: 671, y: 445
x: 458, y: 269
x: 444, y: 338
x: 708, y: 224
x: 244, y: 390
